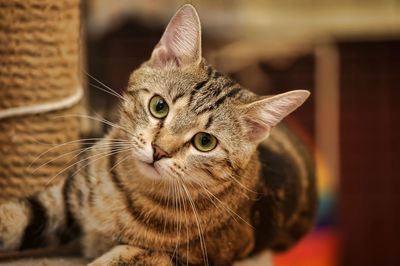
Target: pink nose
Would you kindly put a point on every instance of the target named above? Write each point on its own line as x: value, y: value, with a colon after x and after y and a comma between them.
x: 158, y: 153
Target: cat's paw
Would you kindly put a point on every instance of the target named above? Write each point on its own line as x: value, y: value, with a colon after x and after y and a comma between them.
x: 118, y: 255
x: 263, y: 258
x: 14, y: 217
x: 98, y: 262
x: 130, y: 255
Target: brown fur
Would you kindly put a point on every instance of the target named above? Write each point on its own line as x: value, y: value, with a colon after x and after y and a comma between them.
x: 191, y: 206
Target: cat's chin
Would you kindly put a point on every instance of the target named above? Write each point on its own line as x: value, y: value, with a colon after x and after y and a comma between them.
x: 148, y: 170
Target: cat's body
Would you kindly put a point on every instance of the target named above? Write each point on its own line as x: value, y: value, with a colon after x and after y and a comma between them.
x: 149, y: 194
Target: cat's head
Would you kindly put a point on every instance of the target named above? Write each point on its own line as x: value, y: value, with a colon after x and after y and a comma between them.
x: 190, y: 122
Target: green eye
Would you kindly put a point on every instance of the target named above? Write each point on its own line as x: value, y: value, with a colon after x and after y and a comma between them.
x: 158, y: 107
x: 204, y: 141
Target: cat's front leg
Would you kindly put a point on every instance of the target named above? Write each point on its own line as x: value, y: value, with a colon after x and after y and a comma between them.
x: 131, y: 255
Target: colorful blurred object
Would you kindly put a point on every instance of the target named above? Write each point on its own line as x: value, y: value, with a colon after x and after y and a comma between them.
x: 320, y: 248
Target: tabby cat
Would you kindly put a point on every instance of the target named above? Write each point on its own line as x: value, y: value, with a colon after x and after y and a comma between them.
x: 187, y: 175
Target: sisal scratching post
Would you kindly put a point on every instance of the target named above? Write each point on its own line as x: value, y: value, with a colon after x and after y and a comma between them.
x: 39, y: 88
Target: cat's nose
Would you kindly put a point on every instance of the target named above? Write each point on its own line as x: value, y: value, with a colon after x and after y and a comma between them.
x: 158, y: 153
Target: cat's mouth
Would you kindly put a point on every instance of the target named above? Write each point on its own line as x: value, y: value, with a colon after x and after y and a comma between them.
x: 152, y: 165
x: 149, y: 169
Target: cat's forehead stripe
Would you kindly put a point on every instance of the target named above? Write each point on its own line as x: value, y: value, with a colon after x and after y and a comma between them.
x: 209, y: 122
x: 210, y: 103
x: 205, y: 96
x: 179, y: 95
x: 201, y: 84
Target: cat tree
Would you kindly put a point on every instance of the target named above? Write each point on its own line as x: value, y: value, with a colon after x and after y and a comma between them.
x: 39, y: 90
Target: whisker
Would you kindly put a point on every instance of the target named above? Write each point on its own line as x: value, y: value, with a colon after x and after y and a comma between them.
x: 100, y: 155
x: 169, y: 192
x: 174, y: 209
x: 104, y: 154
x: 187, y: 225
x: 80, y: 151
x: 210, y: 199
x: 165, y: 219
x: 229, y: 210
x: 202, y: 241
x: 73, y: 142
x: 121, y: 161
x: 103, y: 120
x: 107, y: 91
x: 103, y: 84
x: 246, y: 188
x: 178, y: 221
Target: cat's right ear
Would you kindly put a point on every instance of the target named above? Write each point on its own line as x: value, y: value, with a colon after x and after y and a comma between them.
x: 180, y: 44
x: 261, y: 116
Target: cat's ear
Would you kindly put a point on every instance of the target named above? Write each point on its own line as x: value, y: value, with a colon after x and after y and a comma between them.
x: 260, y: 116
x: 181, y: 41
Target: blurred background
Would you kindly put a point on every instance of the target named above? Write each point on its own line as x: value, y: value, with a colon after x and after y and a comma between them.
x: 346, y: 52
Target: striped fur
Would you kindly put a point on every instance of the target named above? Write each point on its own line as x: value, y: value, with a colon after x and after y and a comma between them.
x: 190, y: 207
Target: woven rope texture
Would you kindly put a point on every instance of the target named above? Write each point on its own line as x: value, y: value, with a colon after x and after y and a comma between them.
x: 38, y: 64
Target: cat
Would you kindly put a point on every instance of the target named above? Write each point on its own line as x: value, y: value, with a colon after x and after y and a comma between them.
x: 191, y: 174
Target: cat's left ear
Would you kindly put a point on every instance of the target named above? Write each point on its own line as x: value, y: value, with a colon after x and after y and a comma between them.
x: 262, y: 115
x: 181, y: 42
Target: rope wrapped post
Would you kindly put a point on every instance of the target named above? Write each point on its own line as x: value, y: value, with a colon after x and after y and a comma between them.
x: 39, y: 90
